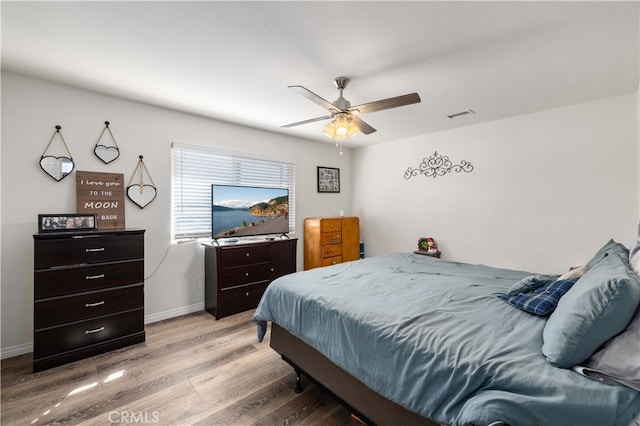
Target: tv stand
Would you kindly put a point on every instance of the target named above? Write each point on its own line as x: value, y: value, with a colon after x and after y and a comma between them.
x: 237, y: 274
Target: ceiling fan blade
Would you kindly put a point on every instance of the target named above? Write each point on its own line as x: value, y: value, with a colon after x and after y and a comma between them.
x: 315, y: 98
x: 311, y: 120
x: 364, y: 127
x: 398, y: 101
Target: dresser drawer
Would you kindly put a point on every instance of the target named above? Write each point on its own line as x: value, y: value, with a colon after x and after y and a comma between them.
x: 55, y: 340
x: 331, y: 238
x: 331, y: 225
x: 61, y: 310
x: 240, y: 298
x: 331, y: 250
x: 76, y: 250
x: 244, y: 255
x: 61, y: 281
x: 230, y: 277
x: 328, y: 261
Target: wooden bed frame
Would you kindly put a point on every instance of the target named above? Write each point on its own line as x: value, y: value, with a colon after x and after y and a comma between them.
x: 369, y: 406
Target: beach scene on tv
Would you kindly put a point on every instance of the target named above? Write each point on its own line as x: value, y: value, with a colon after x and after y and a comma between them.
x: 239, y: 211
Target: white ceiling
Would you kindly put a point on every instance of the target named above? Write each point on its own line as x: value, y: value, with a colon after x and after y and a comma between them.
x: 233, y: 60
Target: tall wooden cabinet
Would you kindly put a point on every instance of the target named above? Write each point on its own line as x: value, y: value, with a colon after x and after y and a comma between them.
x: 328, y: 241
x: 237, y: 274
x: 88, y: 294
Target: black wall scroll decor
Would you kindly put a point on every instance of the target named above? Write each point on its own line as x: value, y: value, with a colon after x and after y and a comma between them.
x: 437, y: 165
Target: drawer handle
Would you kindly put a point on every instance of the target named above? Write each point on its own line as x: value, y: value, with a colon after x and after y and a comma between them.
x: 90, y: 305
x: 248, y: 254
x: 95, y: 330
x: 95, y: 249
x: 93, y: 277
x: 273, y: 269
x: 246, y: 274
x: 247, y: 294
x: 333, y: 263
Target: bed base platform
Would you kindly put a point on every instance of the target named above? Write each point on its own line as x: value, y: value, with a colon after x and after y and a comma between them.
x: 369, y: 406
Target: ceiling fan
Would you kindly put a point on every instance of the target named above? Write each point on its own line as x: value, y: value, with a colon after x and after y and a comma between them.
x: 346, y: 122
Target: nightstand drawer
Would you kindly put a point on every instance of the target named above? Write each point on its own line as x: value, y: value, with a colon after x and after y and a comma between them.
x: 331, y: 238
x: 80, y: 250
x: 245, y: 255
x: 243, y: 297
x: 331, y: 250
x: 331, y: 225
x: 331, y: 261
x: 230, y: 277
x: 67, y: 280
x: 55, y: 340
x: 61, y: 310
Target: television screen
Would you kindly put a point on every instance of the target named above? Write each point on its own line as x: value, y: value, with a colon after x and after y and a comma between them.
x: 239, y: 211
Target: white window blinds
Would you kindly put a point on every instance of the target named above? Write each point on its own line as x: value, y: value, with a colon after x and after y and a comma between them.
x: 195, y: 169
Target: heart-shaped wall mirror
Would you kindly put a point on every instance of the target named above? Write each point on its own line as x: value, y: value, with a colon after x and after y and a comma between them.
x: 105, y: 152
x: 141, y: 195
x: 58, y: 167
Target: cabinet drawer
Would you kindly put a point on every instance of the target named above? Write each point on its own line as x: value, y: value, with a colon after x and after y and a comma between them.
x: 61, y: 310
x: 328, y: 261
x: 244, y: 255
x: 238, y: 299
x: 331, y: 250
x: 58, y: 282
x: 331, y: 238
x: 87, y: 249
x: 76, y: 335
x: 330, y: 225
x: 230, y: 277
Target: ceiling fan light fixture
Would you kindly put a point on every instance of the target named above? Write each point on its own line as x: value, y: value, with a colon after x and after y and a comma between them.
x: 341, y: 127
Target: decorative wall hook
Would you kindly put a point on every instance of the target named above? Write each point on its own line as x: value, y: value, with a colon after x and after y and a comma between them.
x: 141, y: 193
x: 57, y: 167
x: 437, y: 165
x: 106, y: 153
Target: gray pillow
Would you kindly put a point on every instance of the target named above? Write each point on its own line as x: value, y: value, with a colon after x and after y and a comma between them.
x: 618, y: 360
x: 610, y: 247
x: 596, y: 308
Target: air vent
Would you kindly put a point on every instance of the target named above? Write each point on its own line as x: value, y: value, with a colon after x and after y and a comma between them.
x: 458, y: 114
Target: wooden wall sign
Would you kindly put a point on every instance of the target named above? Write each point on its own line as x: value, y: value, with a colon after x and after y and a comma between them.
x: 102, y: 194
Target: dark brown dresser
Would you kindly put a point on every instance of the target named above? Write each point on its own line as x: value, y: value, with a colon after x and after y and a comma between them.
x: 88, y: 294
x: 236, y: 274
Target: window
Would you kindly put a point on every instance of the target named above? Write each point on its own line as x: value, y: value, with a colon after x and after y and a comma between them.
x: 196, y: 168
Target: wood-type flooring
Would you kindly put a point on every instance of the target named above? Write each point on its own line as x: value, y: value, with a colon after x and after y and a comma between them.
x: 192, y: 370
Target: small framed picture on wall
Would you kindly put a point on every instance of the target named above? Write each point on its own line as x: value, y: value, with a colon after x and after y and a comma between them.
x: 328, y: 179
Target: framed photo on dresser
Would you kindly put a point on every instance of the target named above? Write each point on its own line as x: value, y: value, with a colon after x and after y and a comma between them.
x: 66, y: 222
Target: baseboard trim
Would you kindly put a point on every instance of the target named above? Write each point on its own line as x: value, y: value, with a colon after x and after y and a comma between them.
x: 26, y: 348
x: 16, y: 350
x: 172, y: 313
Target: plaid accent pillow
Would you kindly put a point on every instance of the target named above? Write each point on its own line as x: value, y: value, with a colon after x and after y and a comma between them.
x: 542, y: 299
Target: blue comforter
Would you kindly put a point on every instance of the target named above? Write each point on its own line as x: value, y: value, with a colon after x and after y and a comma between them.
x: 431, y: 336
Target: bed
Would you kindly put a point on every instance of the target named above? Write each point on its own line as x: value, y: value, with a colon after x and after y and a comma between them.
x: 409, y: 339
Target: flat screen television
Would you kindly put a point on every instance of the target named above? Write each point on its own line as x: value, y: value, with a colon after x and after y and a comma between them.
x: 242, y: 211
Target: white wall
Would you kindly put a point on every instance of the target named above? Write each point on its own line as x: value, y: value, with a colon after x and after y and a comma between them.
x: 174, y: 273
x: 547, y: 189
